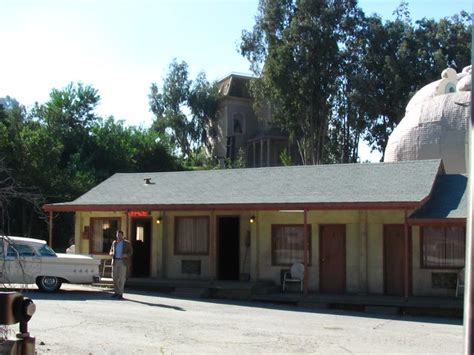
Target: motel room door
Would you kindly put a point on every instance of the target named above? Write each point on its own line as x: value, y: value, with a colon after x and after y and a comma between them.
x: 228, y: 247
x: 332, y: 258
x: 141, y: 242
x: 394, y: 257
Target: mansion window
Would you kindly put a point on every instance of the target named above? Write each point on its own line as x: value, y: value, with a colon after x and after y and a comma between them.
x: 288, y: 244
x: 103, y: 232
x: 443, y: 246
x: 238, y: 123
x: 191, y: 236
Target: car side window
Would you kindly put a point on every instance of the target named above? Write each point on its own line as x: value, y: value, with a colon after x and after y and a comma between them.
x: 20, y: 249
x: 1, y: 248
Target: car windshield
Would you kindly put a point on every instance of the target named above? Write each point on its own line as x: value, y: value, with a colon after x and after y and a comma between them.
x: 45, y: 250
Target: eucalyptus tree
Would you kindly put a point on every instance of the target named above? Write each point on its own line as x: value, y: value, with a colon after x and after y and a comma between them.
x: 295, y: 50
x: 184, y: 109
x: 400, y: 57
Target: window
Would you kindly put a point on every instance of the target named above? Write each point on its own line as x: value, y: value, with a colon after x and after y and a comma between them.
x: 443, y: 247
x: 103, y: 231
x: 15, y: 250
x: 191, y: 236
x: 238, y: 123
x: 45, y: 250
x: 288, y: 244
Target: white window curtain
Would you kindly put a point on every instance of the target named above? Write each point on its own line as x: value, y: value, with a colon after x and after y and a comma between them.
x: 103, y: 234
x: 192, y: 235
x: 443, y: 247
x: 288, y: 244
x: 97, y: 236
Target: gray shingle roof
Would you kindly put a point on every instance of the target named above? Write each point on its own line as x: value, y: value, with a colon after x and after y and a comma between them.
x: 449, y: 199
x: 400, y: 182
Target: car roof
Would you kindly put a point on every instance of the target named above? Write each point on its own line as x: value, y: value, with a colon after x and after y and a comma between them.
x: 24, y: 240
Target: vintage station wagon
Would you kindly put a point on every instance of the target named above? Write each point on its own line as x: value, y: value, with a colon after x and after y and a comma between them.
x: 27, y: 261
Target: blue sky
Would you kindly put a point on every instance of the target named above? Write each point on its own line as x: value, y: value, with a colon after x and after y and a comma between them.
x: 120, y: 47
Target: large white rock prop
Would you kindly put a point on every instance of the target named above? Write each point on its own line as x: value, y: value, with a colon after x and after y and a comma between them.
x: 435, y: 123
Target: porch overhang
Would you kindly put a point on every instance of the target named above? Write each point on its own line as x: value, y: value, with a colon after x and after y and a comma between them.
x: 70, y: 207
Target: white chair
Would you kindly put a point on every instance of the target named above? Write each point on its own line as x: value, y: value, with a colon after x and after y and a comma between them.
x: 296, y: 274
x: 106, y: 265
x: 460, y: 281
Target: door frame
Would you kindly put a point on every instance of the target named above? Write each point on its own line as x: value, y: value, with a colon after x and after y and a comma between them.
x: 321, y: 226
x: 218, y: 240
x: 150, y: 254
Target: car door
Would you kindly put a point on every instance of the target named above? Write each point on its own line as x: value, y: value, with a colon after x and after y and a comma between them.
x: 22, y: 264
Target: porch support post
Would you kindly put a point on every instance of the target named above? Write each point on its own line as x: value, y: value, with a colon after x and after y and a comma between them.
x: 407, y: 256
x: 306, y: 248
x: 363, y: 252
x: 213, y: 246
x: 128, y: 226
x: 50, y: 229
x: 257, y: 247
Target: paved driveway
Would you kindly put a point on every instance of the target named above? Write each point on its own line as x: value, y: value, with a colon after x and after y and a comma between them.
x: 85, y: 320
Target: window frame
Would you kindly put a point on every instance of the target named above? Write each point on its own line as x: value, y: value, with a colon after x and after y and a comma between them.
x: 239, y: 116
x: 16, y: 248
x: 91, y: 233
x: 309, y: 236
x: 443, y: 227
x: 175, y: 242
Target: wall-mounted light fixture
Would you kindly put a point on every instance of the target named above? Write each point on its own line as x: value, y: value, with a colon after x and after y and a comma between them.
x: 158, y: 220
x: 252, y: 219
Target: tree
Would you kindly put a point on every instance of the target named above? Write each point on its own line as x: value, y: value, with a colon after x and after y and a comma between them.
x: 348, y: 121
x: 399, y: 58
x: 117, y: 148
x: 294, y: 48
x: 185, y: 109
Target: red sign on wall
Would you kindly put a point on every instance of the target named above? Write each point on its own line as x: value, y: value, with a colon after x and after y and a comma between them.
x: 138, y: 213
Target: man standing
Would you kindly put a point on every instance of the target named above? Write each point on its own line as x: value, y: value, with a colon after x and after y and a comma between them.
x: 121, y: 252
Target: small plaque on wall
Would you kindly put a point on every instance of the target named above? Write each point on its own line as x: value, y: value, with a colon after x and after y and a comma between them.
x: 444, y: 280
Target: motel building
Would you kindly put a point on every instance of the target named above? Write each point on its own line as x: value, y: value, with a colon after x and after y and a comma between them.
x: 392, y: 228
x: 387, y: 228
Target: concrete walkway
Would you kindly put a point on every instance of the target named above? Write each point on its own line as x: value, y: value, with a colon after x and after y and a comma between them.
x: 267, y: 292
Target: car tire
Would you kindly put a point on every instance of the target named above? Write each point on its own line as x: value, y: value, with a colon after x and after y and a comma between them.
x: 48, y: 283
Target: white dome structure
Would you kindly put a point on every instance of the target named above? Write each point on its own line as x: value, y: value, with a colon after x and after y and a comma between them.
x: 435, y: 123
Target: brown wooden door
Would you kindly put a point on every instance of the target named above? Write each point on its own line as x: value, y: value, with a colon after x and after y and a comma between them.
x: 332, y: 258
x: 394, y: 260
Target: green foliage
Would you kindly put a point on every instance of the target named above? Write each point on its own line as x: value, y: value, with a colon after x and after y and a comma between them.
x: 295, y: 46
x: 334, y: 76
x: 185, y: 109
x: 285, y: 158
x: 400, y: 57
x: 62, y: 149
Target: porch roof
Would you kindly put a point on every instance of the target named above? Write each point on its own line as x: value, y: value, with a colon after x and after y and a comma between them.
x: 448, y: 201
x: 379, y: 185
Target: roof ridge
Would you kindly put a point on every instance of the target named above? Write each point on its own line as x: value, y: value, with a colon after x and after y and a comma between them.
x: 295, y: 167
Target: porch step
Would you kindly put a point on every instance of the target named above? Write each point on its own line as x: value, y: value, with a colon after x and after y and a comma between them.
x: 266, y: 290
x: 191, y: 292
x: 104, y: 282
